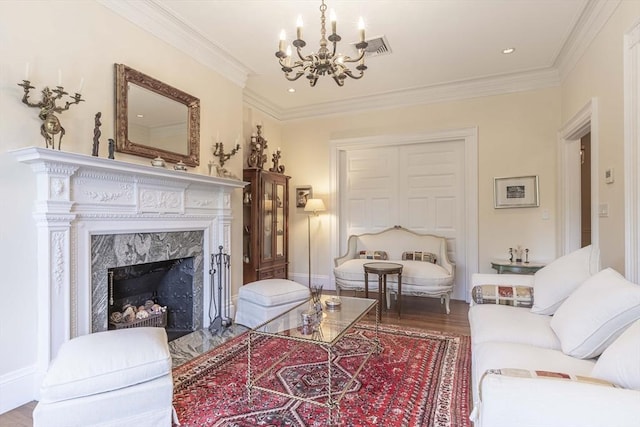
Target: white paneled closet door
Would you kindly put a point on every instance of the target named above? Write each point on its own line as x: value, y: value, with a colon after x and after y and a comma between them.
x: 419, y: 186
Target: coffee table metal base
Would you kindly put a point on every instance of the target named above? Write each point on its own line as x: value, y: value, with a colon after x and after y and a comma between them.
x: 332, y: 402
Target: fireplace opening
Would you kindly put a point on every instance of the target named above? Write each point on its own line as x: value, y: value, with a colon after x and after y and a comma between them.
x: 152, y: 294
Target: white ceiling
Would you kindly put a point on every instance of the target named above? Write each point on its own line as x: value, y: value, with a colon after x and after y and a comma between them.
x: 441, y: 49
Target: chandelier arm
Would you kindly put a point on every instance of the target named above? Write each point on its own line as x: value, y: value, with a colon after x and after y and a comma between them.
x: 304, y: 58
x: 350, y: 74
x: 296, y: 77
x: 349, y: 59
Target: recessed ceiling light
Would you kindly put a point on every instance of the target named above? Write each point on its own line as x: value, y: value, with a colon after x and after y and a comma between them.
x: 508, y: 50
x: 140, y: 116
x: 291, y: 90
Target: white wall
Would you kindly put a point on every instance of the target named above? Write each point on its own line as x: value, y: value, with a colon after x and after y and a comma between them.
x: 516, y: 136
x: 82, y: 39
x: 599, y: 74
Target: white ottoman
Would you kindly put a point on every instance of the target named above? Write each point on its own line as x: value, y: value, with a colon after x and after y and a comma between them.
x: 265, y: 299
x: 111, y: 378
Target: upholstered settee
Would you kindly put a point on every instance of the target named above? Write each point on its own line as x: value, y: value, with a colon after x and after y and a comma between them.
x: 558, y: 348
x: 427, y: 270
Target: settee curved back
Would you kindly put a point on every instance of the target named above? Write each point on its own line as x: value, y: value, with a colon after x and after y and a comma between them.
x: 396, y: 240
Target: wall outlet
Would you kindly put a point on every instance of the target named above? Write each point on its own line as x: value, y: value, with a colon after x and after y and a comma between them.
x: 603, y: 210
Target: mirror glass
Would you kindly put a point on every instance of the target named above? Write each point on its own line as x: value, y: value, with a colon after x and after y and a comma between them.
x: 154, y: 119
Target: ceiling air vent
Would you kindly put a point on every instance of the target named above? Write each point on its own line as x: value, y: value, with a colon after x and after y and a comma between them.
x: 377, y: 46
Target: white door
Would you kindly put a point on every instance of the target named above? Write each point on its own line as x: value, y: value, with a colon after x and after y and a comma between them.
x: 418, y: 186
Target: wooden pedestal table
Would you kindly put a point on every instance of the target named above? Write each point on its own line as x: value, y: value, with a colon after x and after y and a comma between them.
x: 382, y: 269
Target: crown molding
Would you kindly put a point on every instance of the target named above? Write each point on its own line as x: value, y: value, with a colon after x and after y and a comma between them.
x: 453, y: 91
x: 593, y: 18
x: 157, y: 20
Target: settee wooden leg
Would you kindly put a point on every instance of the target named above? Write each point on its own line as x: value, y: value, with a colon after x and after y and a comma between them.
x: 446, y: 297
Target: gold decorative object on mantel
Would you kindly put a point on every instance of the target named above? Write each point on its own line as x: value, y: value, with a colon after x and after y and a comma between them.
x: 257, y: 157
x: 276, y: 160
x: 218, y: 151
x: 50, y: 123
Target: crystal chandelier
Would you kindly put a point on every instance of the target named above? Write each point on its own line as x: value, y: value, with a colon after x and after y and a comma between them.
x: 326, y: 61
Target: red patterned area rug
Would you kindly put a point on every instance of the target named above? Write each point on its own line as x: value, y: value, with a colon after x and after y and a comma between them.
x: 421, y: 378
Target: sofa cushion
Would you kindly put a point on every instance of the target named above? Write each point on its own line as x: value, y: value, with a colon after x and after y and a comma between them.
x: 503, y: 323
x: 517, y: 296
x: 373, y: 255
x: 413, y: 273
x: 554, y: 282
x: 596, y: 313
x: 502, y: 355
x: 105, y: 361
x: 620, y: 362
x: 420, y: 256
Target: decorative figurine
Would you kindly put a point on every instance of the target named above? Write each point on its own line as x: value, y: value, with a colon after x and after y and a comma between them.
x: 50, y: 123
x: 112, y: 148
x: 526, y: 256
x: 510, y: 254
x: 257, y: 158
x: 276, y: 160
x: 96, y: 134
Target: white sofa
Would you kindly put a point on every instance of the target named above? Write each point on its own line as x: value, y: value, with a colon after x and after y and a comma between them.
x: 419, y: 278
x: 572, y: 359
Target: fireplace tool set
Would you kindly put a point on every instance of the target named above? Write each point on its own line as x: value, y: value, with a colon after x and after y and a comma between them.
x: 221, y: 271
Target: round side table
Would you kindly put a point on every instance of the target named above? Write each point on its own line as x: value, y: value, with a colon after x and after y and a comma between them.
x: 514, y: 267
x: 382, y: 269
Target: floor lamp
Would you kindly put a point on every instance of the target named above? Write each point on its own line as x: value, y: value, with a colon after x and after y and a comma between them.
x: 313, y: 206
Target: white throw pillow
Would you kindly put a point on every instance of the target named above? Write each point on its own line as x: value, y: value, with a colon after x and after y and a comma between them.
x: 620, y: 362
x: 553, y: 283
x: 596, y: 313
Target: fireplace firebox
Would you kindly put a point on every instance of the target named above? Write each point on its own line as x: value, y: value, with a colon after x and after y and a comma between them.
x: 152, y: 294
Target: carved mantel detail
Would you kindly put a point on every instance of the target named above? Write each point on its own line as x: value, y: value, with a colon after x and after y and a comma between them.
x: 79, y: 196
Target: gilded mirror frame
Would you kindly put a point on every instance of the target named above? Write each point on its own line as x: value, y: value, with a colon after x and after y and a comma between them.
x: 125, y: 75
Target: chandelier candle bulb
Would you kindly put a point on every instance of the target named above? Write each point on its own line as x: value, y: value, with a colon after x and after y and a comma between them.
x: 288, y: 60
x: 26, y: 72
x: 283, y: 39
x: 361, y: 28
x: 299, y: 27
x: 80, y: 86
x: 59, y: 77
x: 333, y: 19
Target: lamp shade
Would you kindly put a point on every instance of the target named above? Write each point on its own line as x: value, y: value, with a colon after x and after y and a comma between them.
x: 314, y: 205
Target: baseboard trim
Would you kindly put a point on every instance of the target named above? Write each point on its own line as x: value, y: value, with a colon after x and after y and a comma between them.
x: 17, y: 388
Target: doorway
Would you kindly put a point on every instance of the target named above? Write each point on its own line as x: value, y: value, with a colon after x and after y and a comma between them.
x: 585, y: 190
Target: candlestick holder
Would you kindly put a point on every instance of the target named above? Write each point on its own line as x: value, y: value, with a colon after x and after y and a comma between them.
x: 218, y: 151
x: 48, y: 106
x: 257, y: 158
x: 276, y: 160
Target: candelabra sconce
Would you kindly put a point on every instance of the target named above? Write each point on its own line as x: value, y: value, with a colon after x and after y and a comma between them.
x: 257, y: 157
x: 276, y: 160
x: 218, y: 151
x: 526, y: 256
x: 48, y: 106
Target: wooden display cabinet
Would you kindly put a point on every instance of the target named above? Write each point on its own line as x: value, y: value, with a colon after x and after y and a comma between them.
x: 265, y: 235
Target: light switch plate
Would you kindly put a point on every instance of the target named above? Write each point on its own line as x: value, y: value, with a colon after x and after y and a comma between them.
x: 603, y: 210
x: 608, y: 176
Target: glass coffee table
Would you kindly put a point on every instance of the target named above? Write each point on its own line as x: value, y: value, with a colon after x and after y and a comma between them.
x: 335, y: 323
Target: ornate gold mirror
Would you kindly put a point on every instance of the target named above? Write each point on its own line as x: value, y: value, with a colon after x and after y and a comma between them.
x: 154, y: 119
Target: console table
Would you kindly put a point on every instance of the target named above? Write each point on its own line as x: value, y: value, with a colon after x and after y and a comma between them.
x: 513, y: 267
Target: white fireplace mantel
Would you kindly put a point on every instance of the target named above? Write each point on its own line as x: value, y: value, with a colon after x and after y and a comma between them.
x: 78, y: 196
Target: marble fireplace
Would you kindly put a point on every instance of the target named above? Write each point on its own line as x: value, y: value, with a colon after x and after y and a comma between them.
x: 93, y: 214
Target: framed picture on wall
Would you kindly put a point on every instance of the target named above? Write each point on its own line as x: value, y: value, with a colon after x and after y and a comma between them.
x: 303, y: 193
x: 516, y: 192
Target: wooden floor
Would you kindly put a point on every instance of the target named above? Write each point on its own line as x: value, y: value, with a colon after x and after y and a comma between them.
x: 425, y: 313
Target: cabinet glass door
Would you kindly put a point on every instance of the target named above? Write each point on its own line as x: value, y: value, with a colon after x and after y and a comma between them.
x: 267, y: 218
x: 279, y: 220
